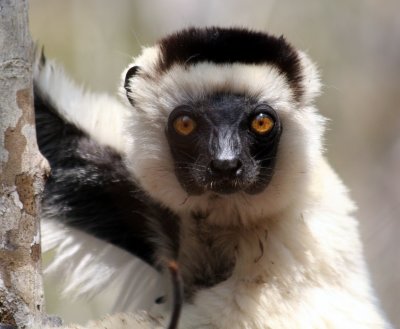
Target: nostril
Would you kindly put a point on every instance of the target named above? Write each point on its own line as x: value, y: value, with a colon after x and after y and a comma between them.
x: 226, y: 166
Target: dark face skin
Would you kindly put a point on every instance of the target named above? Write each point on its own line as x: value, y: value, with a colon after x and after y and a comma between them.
x: 225, y: 144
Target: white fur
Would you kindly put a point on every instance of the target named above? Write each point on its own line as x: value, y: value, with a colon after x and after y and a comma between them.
x: 99, y: 115
x: 87, y: 265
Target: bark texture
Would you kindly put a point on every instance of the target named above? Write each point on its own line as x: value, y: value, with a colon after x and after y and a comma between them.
x: 21, y: 174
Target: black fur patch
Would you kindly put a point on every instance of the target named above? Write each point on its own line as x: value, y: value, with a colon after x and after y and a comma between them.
x: 90, y: 188
x: 232, y: 45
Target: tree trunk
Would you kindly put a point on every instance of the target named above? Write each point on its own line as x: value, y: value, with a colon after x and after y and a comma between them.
x: 21, y: 174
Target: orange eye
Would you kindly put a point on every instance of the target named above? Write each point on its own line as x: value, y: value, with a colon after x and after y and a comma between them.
x: 184, y: 125
x: 262, y: 124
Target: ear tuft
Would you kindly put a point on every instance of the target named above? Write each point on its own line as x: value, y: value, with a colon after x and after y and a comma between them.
x: 39, y: 61
x: 311, y: 83
x: 130, y: 73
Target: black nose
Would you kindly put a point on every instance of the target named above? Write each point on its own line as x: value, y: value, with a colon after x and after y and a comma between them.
x: 226, y: 167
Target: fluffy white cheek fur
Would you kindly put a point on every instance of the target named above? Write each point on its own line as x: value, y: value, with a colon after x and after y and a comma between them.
x: 298, y: 155
x: 150, y: 161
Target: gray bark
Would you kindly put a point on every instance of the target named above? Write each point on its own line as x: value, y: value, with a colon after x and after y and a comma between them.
x: 22, y: 171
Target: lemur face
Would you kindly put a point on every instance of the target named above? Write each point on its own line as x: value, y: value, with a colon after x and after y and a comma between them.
x: 225, y: 143
x: 222, y: 111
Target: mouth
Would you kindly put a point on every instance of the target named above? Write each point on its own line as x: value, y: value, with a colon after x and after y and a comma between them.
x: 220, y: 185
x: 225, y: 186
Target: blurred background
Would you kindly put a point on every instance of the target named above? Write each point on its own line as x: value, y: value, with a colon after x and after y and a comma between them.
x: 356, y: 45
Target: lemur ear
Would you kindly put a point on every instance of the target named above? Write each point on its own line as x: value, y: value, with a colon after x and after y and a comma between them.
x: 130, y: 73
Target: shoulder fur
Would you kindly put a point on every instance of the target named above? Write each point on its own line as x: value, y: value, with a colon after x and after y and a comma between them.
x: 99, y: 115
